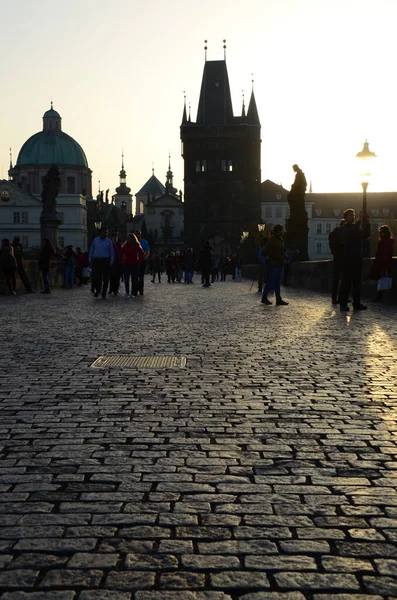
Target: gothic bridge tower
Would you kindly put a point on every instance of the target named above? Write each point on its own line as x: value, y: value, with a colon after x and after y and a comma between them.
x: 222, y: 173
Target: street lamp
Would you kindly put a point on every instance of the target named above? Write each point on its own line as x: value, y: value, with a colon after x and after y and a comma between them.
x: 366, y: 158
x: 261, y: 227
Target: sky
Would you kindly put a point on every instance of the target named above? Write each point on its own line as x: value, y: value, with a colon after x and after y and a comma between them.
x: 324, y: 80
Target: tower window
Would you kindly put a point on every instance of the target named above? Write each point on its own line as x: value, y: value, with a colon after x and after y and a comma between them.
x: 201, y: 166
x: 319, y: 248
x: 319, y: 228
x: 24, y: 218
x: 17, y: 217
x: 70, y: 185
x: 328, y: 228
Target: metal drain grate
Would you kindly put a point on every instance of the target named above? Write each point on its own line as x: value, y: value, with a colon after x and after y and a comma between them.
x: 129, y: 361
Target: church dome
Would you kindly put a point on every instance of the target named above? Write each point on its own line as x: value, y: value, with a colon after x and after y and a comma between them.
x: 51, y: 146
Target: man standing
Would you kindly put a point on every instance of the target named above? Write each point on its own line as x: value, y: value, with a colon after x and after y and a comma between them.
x: 261, y: 258
x: 142, y: 267
x: 206, y: 264
x: 18, y: 255
x: 101, y: 257
x: 352, y: 236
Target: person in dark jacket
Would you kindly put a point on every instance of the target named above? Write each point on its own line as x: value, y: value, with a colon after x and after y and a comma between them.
x: 189, y: 261
x: 383, y: 263
x: 70, y: 262
x: 335, y: 245
x: 156, y: 268
x: 352, y: 236
x: 206, y: 264
x: 18, y: 253
x: 8, y: 265
x: 46, y: 253
x: 275, y: 257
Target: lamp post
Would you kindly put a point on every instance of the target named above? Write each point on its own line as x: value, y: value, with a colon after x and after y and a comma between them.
x: 261, y: 227
x: 366, y: 158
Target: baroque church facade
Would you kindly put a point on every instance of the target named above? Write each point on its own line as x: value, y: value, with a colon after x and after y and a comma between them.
x: 222, y: 172
x: 20, y: 196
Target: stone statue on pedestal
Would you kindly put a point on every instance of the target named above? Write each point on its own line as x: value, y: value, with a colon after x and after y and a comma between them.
x: 49, y: 218
x: 297, y: 229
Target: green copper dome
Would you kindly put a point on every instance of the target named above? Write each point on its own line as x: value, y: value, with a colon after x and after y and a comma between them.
x: 51, y: 148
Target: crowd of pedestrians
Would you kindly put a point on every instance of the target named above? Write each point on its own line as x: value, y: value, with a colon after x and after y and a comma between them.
x: 109, y: 263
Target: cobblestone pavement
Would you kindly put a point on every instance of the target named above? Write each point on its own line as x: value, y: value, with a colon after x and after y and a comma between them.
x: 265, y: 470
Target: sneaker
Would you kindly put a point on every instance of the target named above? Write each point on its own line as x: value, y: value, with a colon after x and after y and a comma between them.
x: 281, y: 302
x: 359, y: 307
x: 131, y: 296
x: 344, y: 307
x: 266, y: 301
x: 126, y: 295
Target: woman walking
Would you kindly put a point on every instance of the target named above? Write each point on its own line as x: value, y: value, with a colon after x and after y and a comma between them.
x: 275, y: 256
x: 131, y: 256
x: 8, y: 265
x: 383, y: 263
x: 46, y: 253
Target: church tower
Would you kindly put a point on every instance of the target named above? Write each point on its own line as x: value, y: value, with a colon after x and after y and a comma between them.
x: 222, y: 174
x: 123, y: 197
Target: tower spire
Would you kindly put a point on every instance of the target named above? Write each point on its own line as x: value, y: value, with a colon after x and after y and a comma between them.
x: 189, y: 119
x: 205, y: 50
x: 243, y: 109
x: 252, y: 114
x: 10, y: 158
x: 184, y: 116
x: 224, y: 49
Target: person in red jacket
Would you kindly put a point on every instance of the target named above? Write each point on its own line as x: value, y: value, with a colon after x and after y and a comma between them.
x: 131, y: 256
x: 383, y: 263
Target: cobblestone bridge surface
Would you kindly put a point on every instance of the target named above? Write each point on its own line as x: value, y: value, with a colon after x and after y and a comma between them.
x: 265, y: 470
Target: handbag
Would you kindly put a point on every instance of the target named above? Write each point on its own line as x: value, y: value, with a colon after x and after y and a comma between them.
x: 384, y: 282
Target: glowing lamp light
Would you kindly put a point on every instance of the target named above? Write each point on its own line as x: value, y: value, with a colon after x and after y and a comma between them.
x: 366, y: 161
x: 261, y: 227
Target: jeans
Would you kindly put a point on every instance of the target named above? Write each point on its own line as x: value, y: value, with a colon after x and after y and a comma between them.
x: 274, y: 276
x: 189, y: 275
x: 100, y: 275
x: 205, y: 276
x: 158, y: 273
x: 46, y: 283
x: 237, y: 274
x: 131, y: 272
x: 351, y: 277
x: 114, y: 276
x: 68, y: 276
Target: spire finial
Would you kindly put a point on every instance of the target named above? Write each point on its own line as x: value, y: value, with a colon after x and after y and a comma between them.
x: 205, y: 49
x: 52, y: 104
x: 224, y: 49
x: 252, y: 81
x: 169, y: 160
x: 153, y: 167
x: 243, y: 109
x: 122, y: 158
x: 189, y: 119
x: 99, y: 186
x: 10, y: 158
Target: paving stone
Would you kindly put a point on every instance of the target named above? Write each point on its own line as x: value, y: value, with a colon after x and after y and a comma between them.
x: 207, y: 562
x: 88, y: 560
x: 71, y: 578
x: 316, y: 581
x: 126, y: 580
x: 185, y: 595
x: 386, y: 586
x: 144, y: 562
x: 185, y: 581
x: 18, y: 578
x: 280, y: 563
x: 53, y: 595
x: 104, y: 595
x: 227, y: 580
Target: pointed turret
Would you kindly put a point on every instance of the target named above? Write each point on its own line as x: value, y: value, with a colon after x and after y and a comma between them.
x: 184, y: 116
x: 252, y: 114
x: 243, y: 108
x: 215, y: 105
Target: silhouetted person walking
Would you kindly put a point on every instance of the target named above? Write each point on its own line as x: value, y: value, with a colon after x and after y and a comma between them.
x: 101, y: 256
x: 206, y: 264
x: 275, y: 257
x: 46, y: 254
x: 336, y: 247
x: 18, y: 253
x: 8, y: 265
